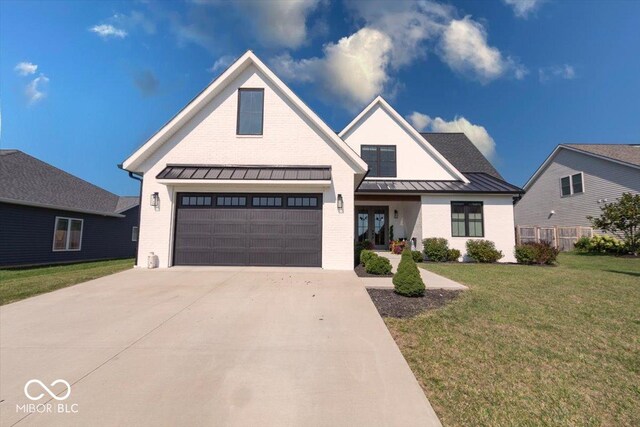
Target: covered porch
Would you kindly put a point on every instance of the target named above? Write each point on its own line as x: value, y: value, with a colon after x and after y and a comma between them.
x: 382, y: 218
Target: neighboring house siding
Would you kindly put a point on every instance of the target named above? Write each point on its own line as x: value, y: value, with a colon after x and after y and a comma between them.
x: 210, y: 138
x: 497, y: 216
x: 602, y: 179
x: 413, y: 161
x: 26, y: 236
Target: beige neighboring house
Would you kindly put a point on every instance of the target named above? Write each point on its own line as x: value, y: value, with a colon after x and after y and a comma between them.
x: 575, y: 180
x: 247, y: 174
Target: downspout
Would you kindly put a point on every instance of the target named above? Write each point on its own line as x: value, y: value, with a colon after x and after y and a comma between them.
x: 137, y: 177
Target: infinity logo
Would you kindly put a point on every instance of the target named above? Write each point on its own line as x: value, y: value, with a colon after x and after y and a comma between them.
x: 47, y: 389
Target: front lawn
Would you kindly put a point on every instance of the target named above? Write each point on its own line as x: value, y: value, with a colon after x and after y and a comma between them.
x: 20, y: 284
x: 532, y: 345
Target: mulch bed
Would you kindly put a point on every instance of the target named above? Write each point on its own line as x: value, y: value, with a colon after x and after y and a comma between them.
x: 361, y: 272
x: 390, y: 304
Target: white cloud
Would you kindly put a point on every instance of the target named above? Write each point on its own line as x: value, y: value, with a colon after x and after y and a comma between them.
x: 354, y: 69
x: 394, y: 35
x: 476, y: 133
x: 221, y: 63
x: 280, y: 23
x: 25, y: 68
x: 566, y: 72
x: 464, y: 48
x: 35, y: 89
x: 522, y: 8
x: 106, y: 31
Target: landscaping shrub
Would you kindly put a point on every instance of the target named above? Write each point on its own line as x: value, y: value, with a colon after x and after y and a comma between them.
x: 366, y: 255
x: 378, y: 265
x: 436, y: 249
x: 453, y: 255
x: 407, y: 280
x: 483, y: 251
x: 397, y: 246
x: 536, y: 253
x: 601, y: 244
x: 582, y: 245
x: 417, y: 256
x: 367, y: 244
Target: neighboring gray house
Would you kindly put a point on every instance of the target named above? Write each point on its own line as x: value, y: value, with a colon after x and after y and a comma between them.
x: 50, y: 217
x: 575, y: 180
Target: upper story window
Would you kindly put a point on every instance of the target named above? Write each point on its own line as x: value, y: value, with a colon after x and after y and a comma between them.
x: 467, y: 219
x: 67, y: 235
x: 250, y: 111
x: 381, y: 160
x: 572, y: 184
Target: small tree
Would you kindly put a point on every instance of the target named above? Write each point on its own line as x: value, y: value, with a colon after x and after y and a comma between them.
x: 621, y: 216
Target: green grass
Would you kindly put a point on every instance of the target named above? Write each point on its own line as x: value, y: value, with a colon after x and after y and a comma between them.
x: 532, y: 345
x: 20, y: 284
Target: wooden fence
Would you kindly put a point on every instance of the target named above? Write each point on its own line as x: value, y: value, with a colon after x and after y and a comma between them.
x: 562, y: 238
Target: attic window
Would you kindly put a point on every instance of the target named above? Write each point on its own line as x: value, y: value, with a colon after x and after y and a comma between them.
x: 250, y: 111
x: 381, y: 160
x: 572, y: 184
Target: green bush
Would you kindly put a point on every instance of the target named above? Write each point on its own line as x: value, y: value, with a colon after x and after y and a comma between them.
x: 453, y: 255
x: 582, y: 244
x: 366, y: 255
x: 417, y: 256
x: 378, y: 265
x: 483, y: 251
x: 601, y: 244
x: 407, y: 280
x: 436, y: 249
x: 536, y: 253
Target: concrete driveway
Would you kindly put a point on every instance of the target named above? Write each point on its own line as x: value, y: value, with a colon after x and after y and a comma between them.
x: 207, y: 347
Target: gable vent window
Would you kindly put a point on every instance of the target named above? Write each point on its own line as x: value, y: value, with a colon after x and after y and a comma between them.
x: 250, y: 111
x: 67, y: 235
x: 572, y: 184
x: 381, y: 160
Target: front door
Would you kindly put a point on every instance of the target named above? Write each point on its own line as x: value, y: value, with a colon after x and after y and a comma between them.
x: 372, y: 224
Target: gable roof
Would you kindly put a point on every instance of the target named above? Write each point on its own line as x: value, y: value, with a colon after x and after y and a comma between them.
x: 196, y: 104
x: 407, y: 128
x: 461, y: 152
x: 26, y: 180
x: 624, y: 154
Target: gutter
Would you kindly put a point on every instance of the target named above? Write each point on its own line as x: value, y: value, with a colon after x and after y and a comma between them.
x: 137, y: 177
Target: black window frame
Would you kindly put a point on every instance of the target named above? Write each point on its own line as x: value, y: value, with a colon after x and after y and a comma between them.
x: 378, y: 172
x: 249, y: 89
x: 466, y: 205
x: 249, y: 200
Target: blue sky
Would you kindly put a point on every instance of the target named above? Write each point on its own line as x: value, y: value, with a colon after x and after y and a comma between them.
x: 83, y: 83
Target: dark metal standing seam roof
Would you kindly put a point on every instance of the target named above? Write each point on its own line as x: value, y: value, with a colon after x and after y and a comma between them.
x: 258, y: 173
x: 480, y: 182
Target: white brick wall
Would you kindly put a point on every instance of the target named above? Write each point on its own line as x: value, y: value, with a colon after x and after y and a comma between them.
x: 288, y: 139
x: 498, y: 221
x: 412, y: 160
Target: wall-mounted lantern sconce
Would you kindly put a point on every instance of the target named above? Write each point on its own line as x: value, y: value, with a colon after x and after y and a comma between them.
x: 395, y: 213
x: 340, y: 203
x: 155, y: 199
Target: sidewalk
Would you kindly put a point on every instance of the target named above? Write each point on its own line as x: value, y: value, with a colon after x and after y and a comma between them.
x: 431, y: 280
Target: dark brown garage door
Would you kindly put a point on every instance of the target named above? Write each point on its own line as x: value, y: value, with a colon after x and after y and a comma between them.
x: 248, y: 229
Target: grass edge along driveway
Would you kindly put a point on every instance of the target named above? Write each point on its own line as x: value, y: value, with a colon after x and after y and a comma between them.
x: 532, y: 345
x: 18, y: 284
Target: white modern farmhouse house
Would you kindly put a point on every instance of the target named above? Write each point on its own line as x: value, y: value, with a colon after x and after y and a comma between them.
x: 247, y: 174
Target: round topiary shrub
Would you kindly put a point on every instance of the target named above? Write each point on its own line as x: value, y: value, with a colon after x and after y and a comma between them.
x: 378, y: 265
x: 483, y: 251
x: 453, y: 255
x: 366, y: 255
x: 435, y: 248
x: 407, y: 280
x: 417, y: 256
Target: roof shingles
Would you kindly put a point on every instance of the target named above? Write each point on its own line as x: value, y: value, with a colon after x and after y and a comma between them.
x: 627, y: 153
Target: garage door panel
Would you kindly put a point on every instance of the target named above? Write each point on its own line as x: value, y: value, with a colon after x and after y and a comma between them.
x: 248, y: 235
